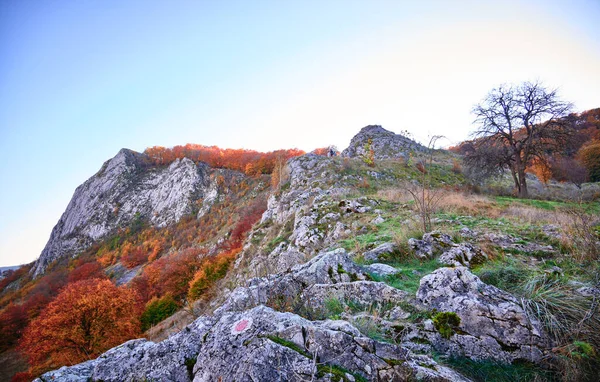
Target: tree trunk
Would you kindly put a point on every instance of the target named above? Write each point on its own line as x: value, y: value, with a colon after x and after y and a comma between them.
x: 523, y: 193
x: 515, y: 179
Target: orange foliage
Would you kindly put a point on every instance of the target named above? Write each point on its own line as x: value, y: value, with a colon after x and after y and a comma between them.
x: 13, y: 320
x: 248, y: 217
x: 589, y: 155
x: 86, y: 319
x: 169, y: 275
x: 91, y: 270
x: 211, y: 270
x: 22, y: 377
x: 541, y: 169
x: 248, y: 161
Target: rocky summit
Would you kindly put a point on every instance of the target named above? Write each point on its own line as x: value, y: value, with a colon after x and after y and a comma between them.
x: 383, y: 143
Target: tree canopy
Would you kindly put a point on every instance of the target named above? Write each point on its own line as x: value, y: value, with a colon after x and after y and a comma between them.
x: 87, y: 318
x: 517, y: 125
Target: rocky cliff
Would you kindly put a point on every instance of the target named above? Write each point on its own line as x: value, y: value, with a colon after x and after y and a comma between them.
x: 129, y: 188
x: 383, y: 143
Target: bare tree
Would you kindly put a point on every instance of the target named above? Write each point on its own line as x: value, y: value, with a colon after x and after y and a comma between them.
x: 426, y: 198
x: 521, y: 123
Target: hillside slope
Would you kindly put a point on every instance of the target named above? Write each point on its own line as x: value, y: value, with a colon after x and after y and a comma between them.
x: 336, y: 281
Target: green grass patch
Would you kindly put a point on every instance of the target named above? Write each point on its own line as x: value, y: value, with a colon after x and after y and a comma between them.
x: 289, y: 344
x: 338, y: 373
x: 484, y: 371
x: 409, y: 274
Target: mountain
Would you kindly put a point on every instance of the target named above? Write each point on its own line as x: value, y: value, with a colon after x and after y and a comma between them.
x: 126, y: 188
x: 319, y: 271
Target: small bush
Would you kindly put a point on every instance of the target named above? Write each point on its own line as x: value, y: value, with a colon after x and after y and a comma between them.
x: 446, y: 323
x: 157, y: 310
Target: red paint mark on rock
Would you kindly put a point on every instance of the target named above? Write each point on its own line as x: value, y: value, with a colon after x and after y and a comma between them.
x: 241, y: 326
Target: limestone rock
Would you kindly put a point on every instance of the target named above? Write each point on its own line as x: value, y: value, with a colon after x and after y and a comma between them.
x: 258, y: 345
x: 381, y: 270
x: 127, y: 188
x: 384, y: 144
x: 285, y: 288
x: 378, y: 252
x: 362, y: 293
x: 493, y: 324
x: 138, y: 360
x: 463, y: 254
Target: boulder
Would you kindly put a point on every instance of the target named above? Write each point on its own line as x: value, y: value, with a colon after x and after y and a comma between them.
x: 463, y: 254
x: 285, y: 288
x: 378, y: 252
x: 384, y: 144
x: 366, y: 294
x: 381, y: 270
x: 493, y: 324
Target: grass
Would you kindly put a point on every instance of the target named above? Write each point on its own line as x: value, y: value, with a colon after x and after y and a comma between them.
x: 338, y: 373
x: 549, y: 205
x: 484, y: 371
x: 409, y: 274
x: 289, y: 344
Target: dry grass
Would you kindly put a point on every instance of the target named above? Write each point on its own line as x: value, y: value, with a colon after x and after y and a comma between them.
x: 394, y: 195
x: 468, y: 204
x: 171, y: 325
x: 534, y: 215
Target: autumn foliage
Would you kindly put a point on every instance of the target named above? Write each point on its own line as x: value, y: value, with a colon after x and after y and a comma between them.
x: 589, y: 155
x: 211, y: 270
x: 249, y: 162
x: 86, y: 318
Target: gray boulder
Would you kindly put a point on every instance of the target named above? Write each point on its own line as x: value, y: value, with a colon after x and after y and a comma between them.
x: 432, y: 243
x: 463, y: 254
x: 362, y: 293
x: 493, y: 324
x: 139, y: 360
x: 381, y: 270
x: 258, y: 345
x: 285, y: 288
x: 378, y: 252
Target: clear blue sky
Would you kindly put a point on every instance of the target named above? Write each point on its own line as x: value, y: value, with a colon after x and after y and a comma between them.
x: 81, y: 79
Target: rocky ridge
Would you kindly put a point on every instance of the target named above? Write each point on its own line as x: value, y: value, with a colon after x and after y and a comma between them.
x: 127, y: 188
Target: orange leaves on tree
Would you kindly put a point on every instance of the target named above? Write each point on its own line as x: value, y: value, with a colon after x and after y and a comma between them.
x: 86, y: 318
x: 86, y: 271
x: 589, y: 155
x: 541, y: 169
x: 211, y: 270
x: 248, y: 161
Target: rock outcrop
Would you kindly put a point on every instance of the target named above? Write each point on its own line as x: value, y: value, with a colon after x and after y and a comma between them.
x: 383, y: 143
x: 493, y: 324
x: 258, y: 345
x: 128, y: 188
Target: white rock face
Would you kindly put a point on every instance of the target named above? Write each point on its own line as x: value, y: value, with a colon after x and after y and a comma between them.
x: 126, y: 188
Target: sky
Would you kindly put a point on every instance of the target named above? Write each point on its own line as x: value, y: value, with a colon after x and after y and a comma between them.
x: 80, y: 80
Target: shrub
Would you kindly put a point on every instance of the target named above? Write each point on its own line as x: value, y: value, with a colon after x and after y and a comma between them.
x: 446, y: 323
x: 211, y: 270
x: 157, y: 310
x: 589, y: 155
